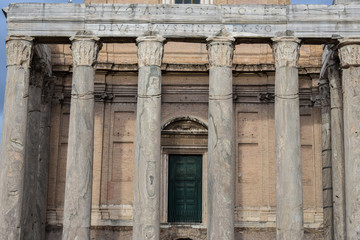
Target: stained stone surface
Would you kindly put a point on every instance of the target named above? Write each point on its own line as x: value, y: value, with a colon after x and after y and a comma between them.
x: 326, y: 159
x: 13, y: 136
x: 220, y: 189
x: 30, y: 216
x: 349, y: 53
x: 337, y: 150
x: 314, y: 22
x: 148, y: 129
x: 44, y: 154
x: 289, y: 198
x: 77, y: 206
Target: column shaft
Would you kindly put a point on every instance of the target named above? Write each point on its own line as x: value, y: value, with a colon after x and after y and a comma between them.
x: 44, y: 154
x: 148, y: 129
x: 337, y: 149
x: 30, y: 217
x: 13, y: 137
x: 289, y: 201
x: 349, y: 53
x: 78, y: 188
x: 221, y: 188
x: 326, y: 159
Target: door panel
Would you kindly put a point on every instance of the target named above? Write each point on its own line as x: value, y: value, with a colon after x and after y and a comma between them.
x: 185, y: 188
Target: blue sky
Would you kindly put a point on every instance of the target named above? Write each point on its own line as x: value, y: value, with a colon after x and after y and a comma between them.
x: 3, y: 33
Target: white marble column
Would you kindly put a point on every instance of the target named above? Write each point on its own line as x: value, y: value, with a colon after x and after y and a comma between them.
x: 13, y: 136
x: 220, y: 187
x: 146, y: 224
x: 78, y: 188
x: 349, y: 53
x: 289, y: 198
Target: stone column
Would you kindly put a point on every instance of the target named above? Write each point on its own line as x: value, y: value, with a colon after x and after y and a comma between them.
x: 78, y: 188
x: 289, y: 199
x: 30, y: 217
x: 220, y: 186
x: 337, y: 149
x: 349, y: 53
x: 326, y: 159
x: 146, y: 224
x: 44, y: 153
x: 13, y: 136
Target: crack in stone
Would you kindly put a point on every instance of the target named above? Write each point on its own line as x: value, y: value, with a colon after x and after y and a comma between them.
x: 16, y: 142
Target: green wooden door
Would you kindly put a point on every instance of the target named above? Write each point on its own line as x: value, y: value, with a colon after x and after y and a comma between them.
x: 185, y: 184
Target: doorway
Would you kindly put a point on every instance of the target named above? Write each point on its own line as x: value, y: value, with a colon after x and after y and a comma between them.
x: 185, y: 189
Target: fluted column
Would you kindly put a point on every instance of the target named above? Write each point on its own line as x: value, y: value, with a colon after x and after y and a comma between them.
x: 221, y: 188
x: 349, y: 53
x: 289, y: 199
x: 13, y: 136
x: 78, y: 188
x: 148, y: 129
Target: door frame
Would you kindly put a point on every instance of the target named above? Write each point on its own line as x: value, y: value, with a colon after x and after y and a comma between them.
x: 183, y: 150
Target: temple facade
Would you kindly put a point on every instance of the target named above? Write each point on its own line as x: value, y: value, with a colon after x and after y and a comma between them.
x: 181, y: 120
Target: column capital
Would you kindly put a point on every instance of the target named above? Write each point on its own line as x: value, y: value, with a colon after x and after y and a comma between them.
x: 220, y: 51
x: 286, y: 51
x: 85, y: 49
x: 349, y: 52
x: 19, y: 50
x: 150, y: 50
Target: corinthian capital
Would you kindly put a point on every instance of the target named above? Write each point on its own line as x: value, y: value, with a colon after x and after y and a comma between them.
x: 150, y: 50
x: 220, y: 51
x: 286, y: 51
x: 19, y: 50
x: 349, y: 52
x: 85, y: 50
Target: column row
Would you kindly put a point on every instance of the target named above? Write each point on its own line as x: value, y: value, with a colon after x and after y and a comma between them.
x: 220, y: 189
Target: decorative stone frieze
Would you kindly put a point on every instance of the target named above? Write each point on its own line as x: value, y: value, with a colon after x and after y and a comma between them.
x: 19, y: 50
x: 348, y: 52
x: 85, y: 50
x: 286, y: 51
x: 150, y: 50
x: 220, y: 51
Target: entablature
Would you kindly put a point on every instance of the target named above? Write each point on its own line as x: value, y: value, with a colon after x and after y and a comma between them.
x: 314, y: 24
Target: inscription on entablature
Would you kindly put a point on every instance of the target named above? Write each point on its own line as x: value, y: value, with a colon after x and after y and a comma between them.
x: 183, y: 28
x: 173, y: 10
